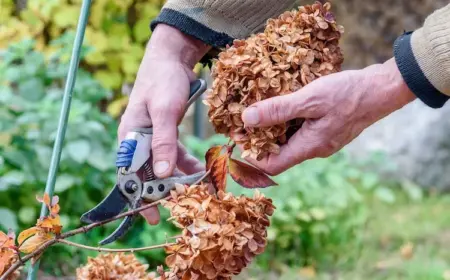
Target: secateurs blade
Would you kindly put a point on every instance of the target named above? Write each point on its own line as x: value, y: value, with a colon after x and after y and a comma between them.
x: 136, y: 182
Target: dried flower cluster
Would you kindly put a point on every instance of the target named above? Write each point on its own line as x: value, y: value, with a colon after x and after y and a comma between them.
x: 296, y: 48
x: 8, y: 254
x: 113, y: 267
x: 221, y: 233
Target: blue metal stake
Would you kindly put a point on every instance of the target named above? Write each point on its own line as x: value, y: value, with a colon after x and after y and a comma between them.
x: 64, y: 115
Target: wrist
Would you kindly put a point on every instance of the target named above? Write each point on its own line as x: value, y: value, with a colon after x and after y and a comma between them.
x: 386, y: 81
x: 169, y: 43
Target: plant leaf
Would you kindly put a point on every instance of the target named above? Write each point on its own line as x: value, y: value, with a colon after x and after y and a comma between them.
x: 27, y: 215
x: 55, y: 200
x: 211, y: 155
x: 249, y: 176
x: 79, y: 150
x: 55, y: 209
x: 8, y: 219
x: 6, y: 240
x: 45, y: 199
x: 52, y: 224
x: 385, y: 194
x: 5, y: 259
x: 64, y: 182
x: 26, y: 234
x: 33, y: 242
x: 219, y: 172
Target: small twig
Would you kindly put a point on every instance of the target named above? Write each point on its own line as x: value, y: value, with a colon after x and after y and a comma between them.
x: 174, y: 236
x: 99, y: 249
x: 202, y: 178
x: 97, y: 224
x: 231, y: 148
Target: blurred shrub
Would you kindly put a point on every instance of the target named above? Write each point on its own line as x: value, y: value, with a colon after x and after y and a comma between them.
x: 31, y: 89
x: 118, y: 31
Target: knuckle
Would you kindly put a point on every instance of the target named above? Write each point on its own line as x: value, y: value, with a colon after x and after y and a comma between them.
x: 275, y: 111
x: 273, y: 168
x: 323, y: 150
x: 163, y: 146
x: 163, y: 108
x: 333, y: 145
x: 272, y: 171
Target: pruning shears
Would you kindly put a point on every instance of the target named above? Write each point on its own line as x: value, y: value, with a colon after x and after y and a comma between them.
x: 136, y: 181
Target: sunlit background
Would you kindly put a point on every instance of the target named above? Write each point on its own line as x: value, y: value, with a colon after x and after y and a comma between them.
x: 377, y: 210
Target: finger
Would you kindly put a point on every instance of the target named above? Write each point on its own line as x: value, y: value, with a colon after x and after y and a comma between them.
x: 164, y: 142
x: 135, y: 115
x: 151, y: 215
x: 178, y: 173
x: 280, y: 109
x: 188, y: 163
x: 303, y: 145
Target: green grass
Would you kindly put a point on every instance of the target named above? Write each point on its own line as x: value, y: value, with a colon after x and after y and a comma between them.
x: 424, y: 223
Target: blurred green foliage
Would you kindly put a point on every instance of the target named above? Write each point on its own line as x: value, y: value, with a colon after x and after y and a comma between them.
x: 118, y: 31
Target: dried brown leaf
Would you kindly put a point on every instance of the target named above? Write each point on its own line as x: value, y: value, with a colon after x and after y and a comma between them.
x: 248, y: 176
x: 29, y: 245
x: 211, y: 155
x: 26, y: 234
x: 219, y: 172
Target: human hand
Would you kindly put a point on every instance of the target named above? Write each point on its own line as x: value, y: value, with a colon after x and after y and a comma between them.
x: 337, y: 108
x: 159, y: 97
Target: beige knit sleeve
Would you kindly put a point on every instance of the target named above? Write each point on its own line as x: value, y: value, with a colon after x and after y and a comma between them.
x: 423, y: 57
x: 218, y: 22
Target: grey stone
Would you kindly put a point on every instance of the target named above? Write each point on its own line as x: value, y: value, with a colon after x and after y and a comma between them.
x: 416, y: 139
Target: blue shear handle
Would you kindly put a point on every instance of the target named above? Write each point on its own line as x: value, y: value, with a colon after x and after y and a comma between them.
x: 126, y: 153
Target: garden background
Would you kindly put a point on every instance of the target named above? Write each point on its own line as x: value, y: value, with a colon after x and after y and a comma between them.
x: 357, y: 215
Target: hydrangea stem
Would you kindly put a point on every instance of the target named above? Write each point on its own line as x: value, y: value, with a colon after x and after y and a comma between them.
x: 99, y: 249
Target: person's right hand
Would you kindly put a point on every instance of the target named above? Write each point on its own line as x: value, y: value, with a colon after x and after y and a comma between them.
x: 159, y: 97
x: 336, y: 109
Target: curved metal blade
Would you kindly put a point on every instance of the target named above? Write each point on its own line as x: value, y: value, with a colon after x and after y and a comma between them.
x: 111, y: 206
x: 122, y: 229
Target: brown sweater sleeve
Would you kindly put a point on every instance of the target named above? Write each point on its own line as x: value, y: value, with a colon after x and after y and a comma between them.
x: 423, y: 57
x: 218, y: 22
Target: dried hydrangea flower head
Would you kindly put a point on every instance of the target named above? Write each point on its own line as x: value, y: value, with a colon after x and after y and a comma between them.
x: 118, y: 266
x: 9, y: 259
x: 296, y: 48
x: 221, y: 234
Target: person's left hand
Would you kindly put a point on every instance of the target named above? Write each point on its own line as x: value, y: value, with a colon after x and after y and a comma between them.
x: 337, y: 108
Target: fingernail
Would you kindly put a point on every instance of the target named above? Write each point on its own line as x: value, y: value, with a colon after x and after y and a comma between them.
x: 161, y: 167
x: 251, y: 116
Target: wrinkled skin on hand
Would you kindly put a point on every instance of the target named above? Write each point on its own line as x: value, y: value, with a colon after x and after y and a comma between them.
x: 337, y: 108
x: 158, y: 99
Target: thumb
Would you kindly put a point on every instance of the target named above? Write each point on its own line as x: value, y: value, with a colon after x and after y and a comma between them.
x: 280, y: 109
x: 164, y: 142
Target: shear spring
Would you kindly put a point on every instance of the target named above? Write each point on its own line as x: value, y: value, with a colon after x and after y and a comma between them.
x: 149, y: 175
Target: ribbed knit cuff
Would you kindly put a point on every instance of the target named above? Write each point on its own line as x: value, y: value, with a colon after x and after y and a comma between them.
x: 195, y: 29
x: 413, y: 75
